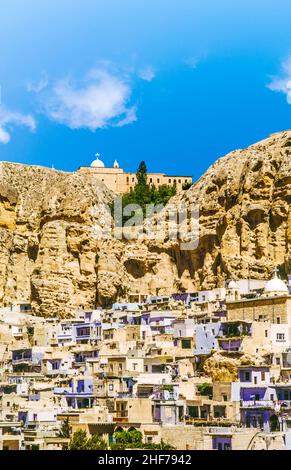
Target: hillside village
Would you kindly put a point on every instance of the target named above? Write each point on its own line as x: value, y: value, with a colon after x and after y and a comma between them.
x: 207, y: 371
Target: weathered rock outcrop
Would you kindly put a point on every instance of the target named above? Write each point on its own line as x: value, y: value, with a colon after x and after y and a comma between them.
x: 244, y: 201
x: 222, y: 367
x: 51, y: 254
x: 48, y: 248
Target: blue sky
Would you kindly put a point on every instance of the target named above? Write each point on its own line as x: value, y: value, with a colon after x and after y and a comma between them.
x: 177, y: 83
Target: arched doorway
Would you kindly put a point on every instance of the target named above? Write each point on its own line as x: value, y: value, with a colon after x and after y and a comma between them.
x: 119, y: 429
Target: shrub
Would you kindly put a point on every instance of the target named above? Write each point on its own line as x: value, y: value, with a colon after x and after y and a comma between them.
x: 80, y: 441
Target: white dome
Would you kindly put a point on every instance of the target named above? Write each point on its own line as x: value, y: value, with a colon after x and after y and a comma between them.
x: 232, y: 285
x: 276, y: 285
x: 97, y: 163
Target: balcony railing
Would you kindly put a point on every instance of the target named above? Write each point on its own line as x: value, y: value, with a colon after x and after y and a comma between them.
x: 60, y: 372
x: 23, y: 360
x: 220, y: 430
x: 121, y: 417
x: 62, y: 390
x: 264, y: 403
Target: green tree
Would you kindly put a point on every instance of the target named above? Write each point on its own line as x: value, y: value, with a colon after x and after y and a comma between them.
x: 162, y: 446
x: 144, y: 195
x: 65, y: 430
x: 142, y: 175
x: 205, y: 389
x: 80, y: 441
x: 96, y: 443
x: 127, y: 440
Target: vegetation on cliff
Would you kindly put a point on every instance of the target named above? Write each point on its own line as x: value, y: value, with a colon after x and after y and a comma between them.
x: 145, y: 195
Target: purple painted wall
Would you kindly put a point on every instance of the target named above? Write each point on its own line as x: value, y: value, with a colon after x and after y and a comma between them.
x: 254, y: 393
x: 222, y: 443
x: 231, y: 345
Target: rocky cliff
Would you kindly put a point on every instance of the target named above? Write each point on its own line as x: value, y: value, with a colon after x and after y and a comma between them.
x: 244, y: 201
x: 51, y: 254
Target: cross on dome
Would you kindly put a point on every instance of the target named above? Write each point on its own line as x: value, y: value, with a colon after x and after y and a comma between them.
x: 276, y: 273
x: 97, y: 163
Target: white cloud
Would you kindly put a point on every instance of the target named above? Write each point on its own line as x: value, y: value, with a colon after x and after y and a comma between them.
x: 10, y: 119
x: 4, y: 136
x: 282, y: 83
x: 101, y: 101
x: 37, y: 87
x: 147, y: 74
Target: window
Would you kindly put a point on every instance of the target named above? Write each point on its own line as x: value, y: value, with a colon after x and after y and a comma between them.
x: 224, y: 397
x: 278, y: 320
x: 255, y: 380
x: 280, y: 337
x: 186, y: 344
x: 278, y: 361
x: 266, y: 333
x: 263, y: 375
x: 247, y: 376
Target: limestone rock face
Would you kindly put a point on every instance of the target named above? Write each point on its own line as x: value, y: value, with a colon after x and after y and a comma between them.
x: 48, y: 247
x: 244, y: 201
x: 51, y: 254
x: 221, y: 367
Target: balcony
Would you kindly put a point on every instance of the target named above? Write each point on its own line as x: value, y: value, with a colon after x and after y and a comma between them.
x: 63, y: 336
x: 220, y: 430
x: 62, y: 390
x: 121, y: 417
x: 24, y: 361
x: 53, y: 373
x: 124, y: 395
x: 265, y: 404
x: 83, y: 337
